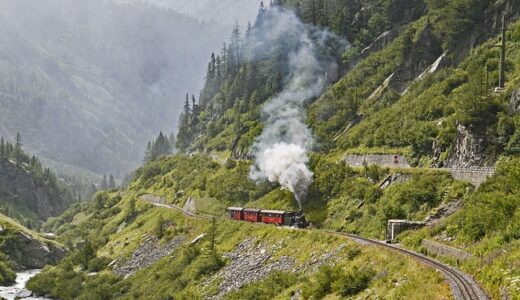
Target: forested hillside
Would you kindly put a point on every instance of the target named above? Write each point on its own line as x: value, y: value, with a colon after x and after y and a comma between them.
x: 88, y: 83
x: 285, y: 102
x: 29, y: 192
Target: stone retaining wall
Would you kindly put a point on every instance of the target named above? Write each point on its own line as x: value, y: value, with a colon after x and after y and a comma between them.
x: 383, y: 160
x: 472, y: 174
x: 446, y: 251
x: 475, y: 175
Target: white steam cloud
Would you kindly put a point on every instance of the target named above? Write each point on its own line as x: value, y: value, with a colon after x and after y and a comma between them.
x: 281, y: 150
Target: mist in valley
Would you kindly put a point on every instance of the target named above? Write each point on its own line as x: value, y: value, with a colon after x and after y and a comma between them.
x: 88, y: 83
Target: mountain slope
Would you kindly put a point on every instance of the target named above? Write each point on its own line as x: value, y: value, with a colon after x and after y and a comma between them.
x: 88, y: 83
x: 414, y: 91
x: 158, y: 252
x: 29, y: 192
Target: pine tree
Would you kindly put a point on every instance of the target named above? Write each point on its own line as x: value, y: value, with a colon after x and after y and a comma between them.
x: 111, y: 182
x: 187, y: 110
x: 18, y: 148
x: 234, y: 51
x: 260, y: 17
x: 2, y: 148
x: 148, y: 152
x: 104, y: 183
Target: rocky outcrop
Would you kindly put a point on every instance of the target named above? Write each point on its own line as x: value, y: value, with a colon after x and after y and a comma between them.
x: 514, y: 104
x: 25, y: 192
x: 28, y: 252
x: 442, y: 212
x: 382, y: 41
x: 418, y: 57
x: 468, y: 150
x: 190, y: 205
x: 148, y: 253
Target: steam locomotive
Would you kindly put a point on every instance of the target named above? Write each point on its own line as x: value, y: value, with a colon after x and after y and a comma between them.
x: 277, y: 217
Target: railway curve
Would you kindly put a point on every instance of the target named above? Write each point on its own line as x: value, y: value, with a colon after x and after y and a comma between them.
x: 463, y: 286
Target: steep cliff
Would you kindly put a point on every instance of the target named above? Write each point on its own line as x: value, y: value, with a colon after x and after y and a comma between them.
x: 27, y: 249
x: 27, y: 198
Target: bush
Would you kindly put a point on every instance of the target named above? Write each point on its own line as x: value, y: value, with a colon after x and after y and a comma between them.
x: 7, y: 275
x: 346, y: 282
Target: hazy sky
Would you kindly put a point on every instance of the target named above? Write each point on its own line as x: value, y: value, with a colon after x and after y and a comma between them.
x: 222, y: 11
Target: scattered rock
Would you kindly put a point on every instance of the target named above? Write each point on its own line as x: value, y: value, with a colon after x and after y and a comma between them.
x: 148, y: 253
x: 197, y: 239
x: 249, y: 264
x: 443, y: 212
x: 112, y: 263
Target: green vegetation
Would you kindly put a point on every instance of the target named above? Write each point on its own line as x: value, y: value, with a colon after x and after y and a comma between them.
x: 487, y: 227
x: 189, y: 273
x: 378, y: 106
x: 7, y: 275
x: 29, y: 192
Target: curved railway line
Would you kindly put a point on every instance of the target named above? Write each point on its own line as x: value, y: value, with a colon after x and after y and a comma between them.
x: 463, y: 286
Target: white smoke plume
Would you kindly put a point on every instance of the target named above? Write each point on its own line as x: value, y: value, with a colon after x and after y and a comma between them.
x: 281, y: 150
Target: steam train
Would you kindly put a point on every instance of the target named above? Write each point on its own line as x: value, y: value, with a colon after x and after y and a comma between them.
x: 277, y: 217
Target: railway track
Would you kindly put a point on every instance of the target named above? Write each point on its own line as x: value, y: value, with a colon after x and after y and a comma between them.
x: 462, y: 285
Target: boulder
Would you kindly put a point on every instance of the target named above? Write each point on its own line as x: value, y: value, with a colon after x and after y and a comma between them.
x: 31, y: 253
x: 23, y: 294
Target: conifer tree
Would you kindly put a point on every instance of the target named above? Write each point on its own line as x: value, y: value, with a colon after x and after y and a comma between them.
x: 111, y: 182
x: 2, y: 148
x: 18, y: 148
x: 104, y: 183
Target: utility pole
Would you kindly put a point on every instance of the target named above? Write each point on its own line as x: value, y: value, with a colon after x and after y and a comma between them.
x: 503, y: 52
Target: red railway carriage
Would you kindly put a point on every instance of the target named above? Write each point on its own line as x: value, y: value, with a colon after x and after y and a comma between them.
x: 252, y: 215
x: 277, y: 217
x: 236, y: 213
x: 273, y: 217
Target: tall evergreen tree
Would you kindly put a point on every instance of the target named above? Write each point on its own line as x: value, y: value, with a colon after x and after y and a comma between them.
x: 18, y: 148
x: 2, y: 148
x: 111, y: 182
x: 104, y: 183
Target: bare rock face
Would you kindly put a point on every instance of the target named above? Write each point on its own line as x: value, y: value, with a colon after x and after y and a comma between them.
x: 30, y: 193
x: 514, y: 104
x: 468, y: 150
x: 190, y: 205
x: 30, y: 253
x: 418, y: 57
